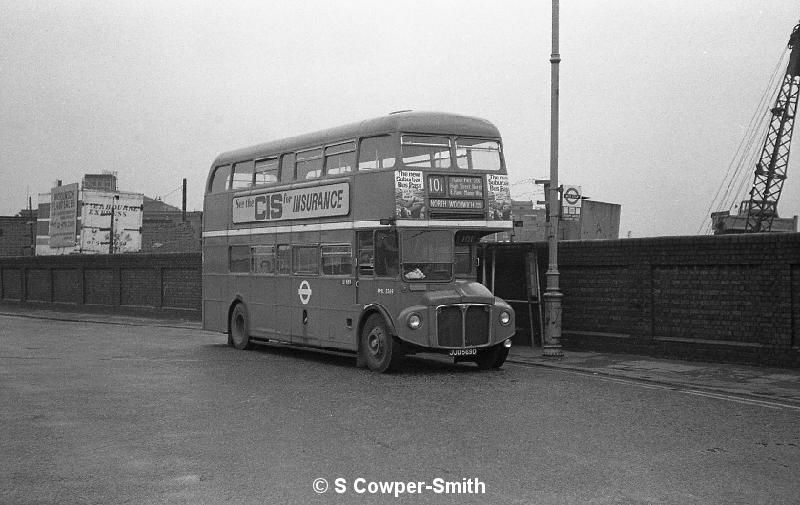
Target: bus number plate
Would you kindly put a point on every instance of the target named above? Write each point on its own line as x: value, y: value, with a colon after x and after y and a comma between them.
x: 463, y: 352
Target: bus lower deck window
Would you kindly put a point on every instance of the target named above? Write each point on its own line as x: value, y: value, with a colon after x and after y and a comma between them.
x: 283, y: 260
x: 239, y: 258
x: 305, y: 260
x: 263, y: 259
x: 337, y: 259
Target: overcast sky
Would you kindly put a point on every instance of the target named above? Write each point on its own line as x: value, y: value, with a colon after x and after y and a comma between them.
x: 656, y: 96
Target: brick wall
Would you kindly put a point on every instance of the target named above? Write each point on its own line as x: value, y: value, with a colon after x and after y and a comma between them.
x: 726, y: 298
x: 161, y: 283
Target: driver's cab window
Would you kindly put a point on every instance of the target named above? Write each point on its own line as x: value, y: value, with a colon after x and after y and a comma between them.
x: 366, y: 253
x: 464, y: 263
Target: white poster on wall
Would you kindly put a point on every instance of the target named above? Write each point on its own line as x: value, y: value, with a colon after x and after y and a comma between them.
x: 111, y: 222
x: 63, y: 216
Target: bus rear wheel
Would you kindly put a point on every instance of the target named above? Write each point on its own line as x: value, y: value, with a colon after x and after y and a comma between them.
x: 492, y: 358
x: 378, y: 348
x: 239, y: 328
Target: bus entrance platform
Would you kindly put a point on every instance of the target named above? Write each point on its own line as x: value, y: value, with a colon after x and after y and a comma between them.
x: 765, y: 385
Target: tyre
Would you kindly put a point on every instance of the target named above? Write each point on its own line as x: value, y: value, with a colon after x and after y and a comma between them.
x: 239, y: 328
x: 378, y: 349
x: 492, y: 358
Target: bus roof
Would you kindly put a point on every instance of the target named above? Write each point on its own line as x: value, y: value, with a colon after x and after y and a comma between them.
x: 436, y: 123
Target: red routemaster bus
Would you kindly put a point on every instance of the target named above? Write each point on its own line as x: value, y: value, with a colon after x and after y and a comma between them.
x: 360, y: 238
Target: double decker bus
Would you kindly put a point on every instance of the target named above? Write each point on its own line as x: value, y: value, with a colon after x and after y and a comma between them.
x: 360, y: 238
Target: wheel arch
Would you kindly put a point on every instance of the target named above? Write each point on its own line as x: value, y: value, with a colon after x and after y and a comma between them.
x: 375, y: 308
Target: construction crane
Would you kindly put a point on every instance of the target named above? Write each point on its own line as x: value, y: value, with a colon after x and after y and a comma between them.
x: 758, y: 213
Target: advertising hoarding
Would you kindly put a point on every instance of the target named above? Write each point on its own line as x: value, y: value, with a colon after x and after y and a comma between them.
x: 63, y: 216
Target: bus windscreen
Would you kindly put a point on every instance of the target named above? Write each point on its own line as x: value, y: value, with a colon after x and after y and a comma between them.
x: 427, y: 255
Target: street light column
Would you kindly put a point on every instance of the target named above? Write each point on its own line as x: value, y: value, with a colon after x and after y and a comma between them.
x: 551, y: 346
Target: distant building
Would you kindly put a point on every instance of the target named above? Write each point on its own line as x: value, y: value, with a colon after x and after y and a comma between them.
x: 725, y: 223
x: 88, y: 221
x: 18, y: 234
x: 597, y: 220
x: 165, y: 230
x: 97, y: 218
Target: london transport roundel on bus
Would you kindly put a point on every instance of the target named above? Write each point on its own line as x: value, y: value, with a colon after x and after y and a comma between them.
x: 305, y: 292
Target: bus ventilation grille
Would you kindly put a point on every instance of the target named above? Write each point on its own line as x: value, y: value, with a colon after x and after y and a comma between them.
x: 470, y: 216
x: 463, y: 325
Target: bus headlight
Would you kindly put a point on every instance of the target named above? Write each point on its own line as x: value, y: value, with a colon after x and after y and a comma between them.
x: 414, y: 321
x: 505, y: 318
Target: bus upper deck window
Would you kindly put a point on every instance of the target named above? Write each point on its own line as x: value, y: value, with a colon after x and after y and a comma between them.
x: 266, y: 170
x: 242, y: 175
x: 340, y: 159
x: 221, y: 180
x: 309, y: 164
x: 478, y: 154
x: 287, y: 168
x: 426, y: 152
x: 376, y: 153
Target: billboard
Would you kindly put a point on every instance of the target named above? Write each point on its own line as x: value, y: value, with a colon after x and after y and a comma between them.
x: 111, y: 222
x: 409, y: 194
x: 305, y: 203
x: 499, y: 197
x: 63, y: 216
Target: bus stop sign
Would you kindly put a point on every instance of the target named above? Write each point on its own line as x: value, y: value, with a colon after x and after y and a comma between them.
x: 571, y: 203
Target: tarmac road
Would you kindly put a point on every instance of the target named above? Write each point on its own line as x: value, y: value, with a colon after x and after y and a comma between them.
x: 115, y: 413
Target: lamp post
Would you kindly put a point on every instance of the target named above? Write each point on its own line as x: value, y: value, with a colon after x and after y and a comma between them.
x: 551, y: 347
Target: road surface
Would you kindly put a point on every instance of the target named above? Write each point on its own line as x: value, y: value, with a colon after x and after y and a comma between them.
x: 110, y: 413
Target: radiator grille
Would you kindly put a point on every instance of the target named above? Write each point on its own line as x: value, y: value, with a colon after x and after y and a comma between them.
x: 448, y: 321
x: 477, y: 325
x: 454, y: 320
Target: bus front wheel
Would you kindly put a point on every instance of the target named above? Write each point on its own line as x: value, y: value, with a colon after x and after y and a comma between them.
x: 239, y: 328
x: 494, y: 357
x: 377, y: 345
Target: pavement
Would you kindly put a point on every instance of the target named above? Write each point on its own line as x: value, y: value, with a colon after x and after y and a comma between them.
x: 768, y: 384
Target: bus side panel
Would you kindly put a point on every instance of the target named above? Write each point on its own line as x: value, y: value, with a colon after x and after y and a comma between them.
x: 336, y: 305
x: 215, y: 274
x: 283, y: 298
x: 215, y: 310
x: 376, y: 199
x: 258, y: 290
x: 216, y: 211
